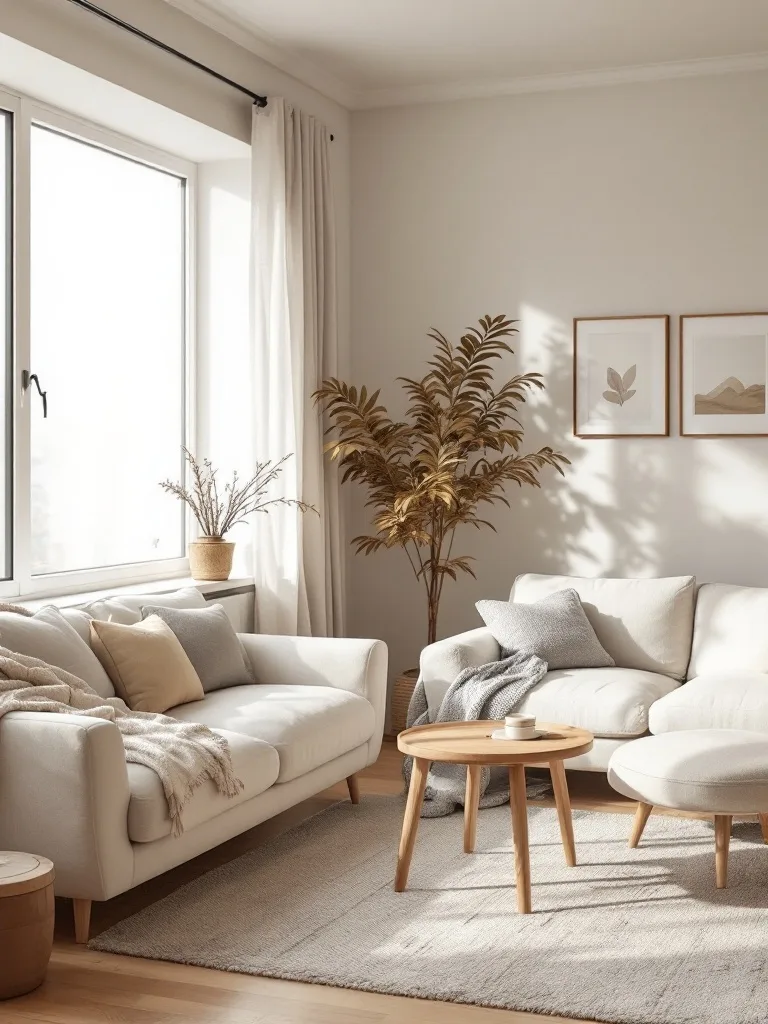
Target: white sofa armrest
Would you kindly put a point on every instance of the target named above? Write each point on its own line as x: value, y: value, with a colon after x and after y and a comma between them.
x: 441, y: 662
x: 358, y: 666
x: 64, y: 794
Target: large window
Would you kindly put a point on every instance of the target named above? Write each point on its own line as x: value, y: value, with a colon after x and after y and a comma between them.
x: 102, y: 257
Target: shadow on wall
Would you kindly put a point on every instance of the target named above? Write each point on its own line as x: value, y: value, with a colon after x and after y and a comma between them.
x: 625, y: 507
x: 637, y: 506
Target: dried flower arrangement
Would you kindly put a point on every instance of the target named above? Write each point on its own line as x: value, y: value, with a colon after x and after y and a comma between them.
x: 217, y: 513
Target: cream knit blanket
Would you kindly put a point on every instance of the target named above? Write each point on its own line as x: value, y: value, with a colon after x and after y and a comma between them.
x: 183, y: 754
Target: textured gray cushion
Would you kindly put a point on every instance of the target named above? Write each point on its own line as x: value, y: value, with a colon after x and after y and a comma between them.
x: 555, y: 628
x: 210, y: 643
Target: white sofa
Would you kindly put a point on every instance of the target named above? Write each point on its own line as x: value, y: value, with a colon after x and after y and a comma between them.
x: 686, y: 658
x: 315, y: 716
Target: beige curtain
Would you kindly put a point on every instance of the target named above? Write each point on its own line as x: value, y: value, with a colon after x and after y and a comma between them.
x: 297, y: 558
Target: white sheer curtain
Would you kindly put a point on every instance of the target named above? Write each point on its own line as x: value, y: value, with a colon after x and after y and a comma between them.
x: 297, y: 558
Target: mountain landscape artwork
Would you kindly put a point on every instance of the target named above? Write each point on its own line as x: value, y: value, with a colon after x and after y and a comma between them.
x: 731, y: 397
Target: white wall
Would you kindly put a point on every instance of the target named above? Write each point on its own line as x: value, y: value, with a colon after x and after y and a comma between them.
x: 648, y: 198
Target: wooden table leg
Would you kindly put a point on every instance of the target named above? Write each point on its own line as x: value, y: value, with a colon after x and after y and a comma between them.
x: 519, y: 808
x: 419, y: 773
x: 722, y: 845
x: 471, y: 804
x: 563, y: 804
x: 642, y: 814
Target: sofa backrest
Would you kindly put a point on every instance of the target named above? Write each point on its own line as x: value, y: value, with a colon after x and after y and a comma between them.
x: 730, y: 630
x: 643, y: 623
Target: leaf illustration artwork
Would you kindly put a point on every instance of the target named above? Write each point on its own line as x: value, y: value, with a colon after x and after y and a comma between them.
x: 620, y: 386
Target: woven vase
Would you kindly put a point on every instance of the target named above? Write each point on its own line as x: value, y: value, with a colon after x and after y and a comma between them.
x: 401, y: 698
x: 210, y: 558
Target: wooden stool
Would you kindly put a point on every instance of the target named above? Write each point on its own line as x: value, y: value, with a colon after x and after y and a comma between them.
x: 26, y: 921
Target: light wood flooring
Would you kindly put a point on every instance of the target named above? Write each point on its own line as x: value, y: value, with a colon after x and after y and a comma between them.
x: 85, y: 987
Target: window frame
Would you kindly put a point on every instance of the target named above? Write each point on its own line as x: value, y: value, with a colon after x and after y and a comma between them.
x: 23, y: 583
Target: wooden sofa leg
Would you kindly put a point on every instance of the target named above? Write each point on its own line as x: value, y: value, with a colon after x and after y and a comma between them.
x: 642, y: 814
x: 722, y: 845
x: 764, y: 826
x: 82, y: 910
x: 354, y: 789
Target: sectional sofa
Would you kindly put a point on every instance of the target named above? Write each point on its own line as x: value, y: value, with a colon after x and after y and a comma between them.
x: 687, y: 657
x: 313, y: 717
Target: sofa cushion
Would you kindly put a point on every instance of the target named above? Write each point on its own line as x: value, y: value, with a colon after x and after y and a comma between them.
x: 48, y: 636
x: 255, y: 763
x: 607, y: 701
x: 722, y: 700
x: 146, y: 663
x: 730, y: 633
x: 644, y: 624
x: 126, y: 608
x: 307, y: 725
x: 554, y: 628
x: 210, y: 643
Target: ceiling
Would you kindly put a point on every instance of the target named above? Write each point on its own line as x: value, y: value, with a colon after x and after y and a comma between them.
x: 378, y: 52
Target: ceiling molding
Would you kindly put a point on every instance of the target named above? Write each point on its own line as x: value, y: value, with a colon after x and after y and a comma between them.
x: 447, y: 91
x: 278, y: 56
x: 441, y: 92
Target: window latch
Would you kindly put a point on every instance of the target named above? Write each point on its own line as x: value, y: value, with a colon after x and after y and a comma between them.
x: 27, y: 379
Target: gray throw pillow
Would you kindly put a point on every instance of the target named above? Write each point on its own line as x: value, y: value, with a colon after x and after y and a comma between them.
x: 556, y: 628
x: 210, y: 643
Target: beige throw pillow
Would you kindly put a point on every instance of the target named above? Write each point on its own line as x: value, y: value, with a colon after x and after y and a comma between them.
x: 146, y: 663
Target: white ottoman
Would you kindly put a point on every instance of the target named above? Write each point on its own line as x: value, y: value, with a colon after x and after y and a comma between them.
x: 708, y: 771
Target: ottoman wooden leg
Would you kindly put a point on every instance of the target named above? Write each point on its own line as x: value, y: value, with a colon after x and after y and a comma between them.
x: 722, y: 845
x: 764, y: 826
x: 642, y: 814
x: 471, y: 804
x: 419, y: 774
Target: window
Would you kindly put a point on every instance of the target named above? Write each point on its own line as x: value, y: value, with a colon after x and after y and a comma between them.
x: 102, y: 285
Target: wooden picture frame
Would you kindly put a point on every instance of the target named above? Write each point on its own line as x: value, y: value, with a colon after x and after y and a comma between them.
x: 602, y: 410
x: 723, y: 375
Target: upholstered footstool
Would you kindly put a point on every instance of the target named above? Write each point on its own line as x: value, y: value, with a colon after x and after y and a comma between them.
x: 722, y: 772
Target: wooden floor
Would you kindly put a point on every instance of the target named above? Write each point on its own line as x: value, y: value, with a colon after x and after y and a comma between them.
x: 85, y: 987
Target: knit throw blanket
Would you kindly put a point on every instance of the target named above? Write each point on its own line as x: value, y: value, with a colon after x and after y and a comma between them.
x: 486, y: 692
x: 183, y: 754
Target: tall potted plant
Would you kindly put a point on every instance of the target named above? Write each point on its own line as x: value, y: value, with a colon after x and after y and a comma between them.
x: 210, y: 556
x: 457, y: 449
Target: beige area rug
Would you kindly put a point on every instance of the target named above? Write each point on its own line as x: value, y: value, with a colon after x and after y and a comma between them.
x: 638, y: 936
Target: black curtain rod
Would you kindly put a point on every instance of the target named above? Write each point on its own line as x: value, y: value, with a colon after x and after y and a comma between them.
x: 260, y: 101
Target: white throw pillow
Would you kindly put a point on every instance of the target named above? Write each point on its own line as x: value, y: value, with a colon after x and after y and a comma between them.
x: 80, y: 621
x: 125, y: 609
x: 48, y: 636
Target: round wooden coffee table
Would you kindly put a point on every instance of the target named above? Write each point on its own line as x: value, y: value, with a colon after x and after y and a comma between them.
x: 470, y: 743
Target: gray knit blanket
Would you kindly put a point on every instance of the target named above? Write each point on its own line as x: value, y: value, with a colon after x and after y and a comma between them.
x: 486, y: 692
x: 184, y: 755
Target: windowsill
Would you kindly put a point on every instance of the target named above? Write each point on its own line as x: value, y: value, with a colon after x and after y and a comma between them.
x: 155, y: 587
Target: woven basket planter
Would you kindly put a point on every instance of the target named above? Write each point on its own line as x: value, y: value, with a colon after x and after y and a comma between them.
x: 401, y: 698
x: 210, y: 558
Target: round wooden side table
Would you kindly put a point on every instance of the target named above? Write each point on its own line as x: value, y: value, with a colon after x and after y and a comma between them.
x: 470, y: 743
x: 26, y: 921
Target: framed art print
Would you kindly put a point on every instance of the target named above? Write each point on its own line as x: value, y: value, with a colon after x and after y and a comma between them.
x: 620, y: 376
x: 723, y: 375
